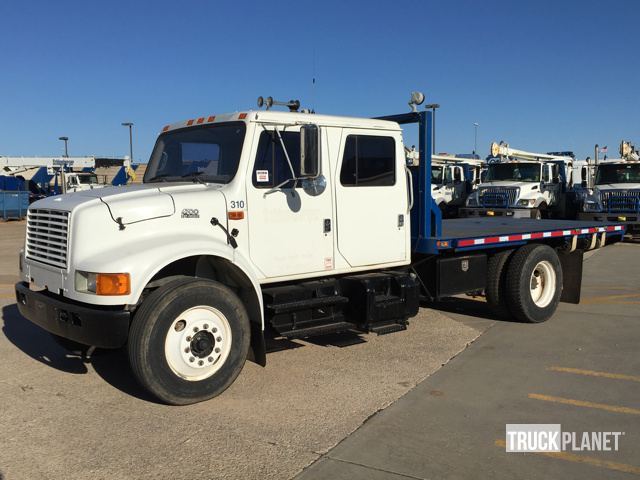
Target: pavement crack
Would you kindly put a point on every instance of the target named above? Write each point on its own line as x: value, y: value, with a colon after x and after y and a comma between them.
x: 369, y: 467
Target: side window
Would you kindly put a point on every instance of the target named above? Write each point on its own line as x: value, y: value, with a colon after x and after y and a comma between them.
x: 271, y: 167
x: 447, y: 175
x: 368, y: 161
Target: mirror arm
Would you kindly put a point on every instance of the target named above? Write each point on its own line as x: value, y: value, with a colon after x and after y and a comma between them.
x: 286, y: 155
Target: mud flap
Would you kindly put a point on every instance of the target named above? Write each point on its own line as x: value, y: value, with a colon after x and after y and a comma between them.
x: 571, y: 263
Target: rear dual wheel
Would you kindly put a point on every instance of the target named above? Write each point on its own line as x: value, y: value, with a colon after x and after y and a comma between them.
x: 525, y: 285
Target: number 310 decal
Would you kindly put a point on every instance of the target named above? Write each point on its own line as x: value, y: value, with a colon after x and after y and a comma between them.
x: 237, y: 204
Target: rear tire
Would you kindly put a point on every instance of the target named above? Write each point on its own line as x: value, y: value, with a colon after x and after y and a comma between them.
x: 496, y: 283
x: 533, y: 283
x: 189, y: 341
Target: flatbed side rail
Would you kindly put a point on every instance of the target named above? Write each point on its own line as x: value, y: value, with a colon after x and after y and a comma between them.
x: 484, y: 242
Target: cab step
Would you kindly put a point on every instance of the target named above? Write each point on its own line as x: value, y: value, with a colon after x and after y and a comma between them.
x: 389, y: 328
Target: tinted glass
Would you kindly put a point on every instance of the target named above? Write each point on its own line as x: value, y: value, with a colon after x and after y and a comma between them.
x: 271, y: 167
x: 368, y: 161
x: 520, y: 172
x: 211, y: 153
x: 618, y: 174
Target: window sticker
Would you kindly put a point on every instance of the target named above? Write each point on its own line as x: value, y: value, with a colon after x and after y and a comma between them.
x: 262, y: 175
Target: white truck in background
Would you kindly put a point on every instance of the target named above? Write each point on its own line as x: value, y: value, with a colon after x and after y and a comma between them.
x: 452, y: 180
x: 525, y: 184
x: 612, y: 189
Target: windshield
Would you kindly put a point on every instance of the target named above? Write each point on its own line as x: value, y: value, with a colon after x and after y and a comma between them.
x: 88, y: 179
x: 211, y: 153
x: 520, y: 172
x: 436, y: 175
x: 618, y: 174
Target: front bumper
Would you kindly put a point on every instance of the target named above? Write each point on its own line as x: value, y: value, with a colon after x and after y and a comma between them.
x: 498, y: 212
x: 630, y: 220
x: 100, y: 327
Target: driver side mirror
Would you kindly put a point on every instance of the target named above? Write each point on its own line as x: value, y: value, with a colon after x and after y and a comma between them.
x: 309, y: 151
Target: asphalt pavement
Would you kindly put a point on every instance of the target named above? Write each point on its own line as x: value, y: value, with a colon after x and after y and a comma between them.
x: 580, y: 369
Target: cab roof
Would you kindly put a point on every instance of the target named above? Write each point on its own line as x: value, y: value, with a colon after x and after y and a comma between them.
x: 286, y: 118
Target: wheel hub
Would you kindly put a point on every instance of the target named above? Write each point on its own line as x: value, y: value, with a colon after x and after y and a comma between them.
x: 202, y: 344
x: 198, y: 343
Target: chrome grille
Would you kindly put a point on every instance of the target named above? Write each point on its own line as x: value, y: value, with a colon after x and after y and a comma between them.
x: 621, y: 200
x: 47, y: 236
x: 498, y: 196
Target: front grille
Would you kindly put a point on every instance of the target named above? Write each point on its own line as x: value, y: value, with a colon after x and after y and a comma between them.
x: 47, y: 236
x: 621, y: 201
x: 501, y: 197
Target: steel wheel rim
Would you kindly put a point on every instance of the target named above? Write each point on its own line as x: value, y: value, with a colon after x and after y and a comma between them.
x: 542, y: 284
x: 198, y: 343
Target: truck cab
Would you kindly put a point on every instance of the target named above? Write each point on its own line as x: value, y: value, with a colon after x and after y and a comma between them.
x: 451, y: 182
x: 523, y: 187
x: 612, y: 192
x: 78, y: 181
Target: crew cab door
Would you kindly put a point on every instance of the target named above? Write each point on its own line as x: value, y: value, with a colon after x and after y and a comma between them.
x: 290, y: 228
x: 371, y: 198
x: 551, y: 181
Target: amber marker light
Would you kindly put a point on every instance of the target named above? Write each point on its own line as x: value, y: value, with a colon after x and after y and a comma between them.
x: 113, y: 284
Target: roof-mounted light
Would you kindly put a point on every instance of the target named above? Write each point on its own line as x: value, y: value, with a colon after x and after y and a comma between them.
x: 417, y: 98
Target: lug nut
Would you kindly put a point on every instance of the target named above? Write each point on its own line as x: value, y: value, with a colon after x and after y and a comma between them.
x: 214, y: 329
x: 200, y: 363
x: 195, y: 329
x: 217, y: 350
x: 210, y: 359
x: 186, y: 350
x: 205, y: 326
x: 219, y: 339
x: 191, y: 359
x: 188, y: 339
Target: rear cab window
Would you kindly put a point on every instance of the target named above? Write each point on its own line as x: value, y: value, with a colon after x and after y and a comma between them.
x: 368, y: 161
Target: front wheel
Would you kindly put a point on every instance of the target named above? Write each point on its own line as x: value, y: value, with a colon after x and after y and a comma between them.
x: 189, y: 341
x: 534, y: 283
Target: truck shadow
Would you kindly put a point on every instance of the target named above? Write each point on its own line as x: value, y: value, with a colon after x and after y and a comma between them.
x: 111, y: 365
x: 469, y: 307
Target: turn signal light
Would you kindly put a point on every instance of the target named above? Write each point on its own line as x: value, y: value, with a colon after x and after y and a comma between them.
x: 113, y: 284
x: 236, y: 215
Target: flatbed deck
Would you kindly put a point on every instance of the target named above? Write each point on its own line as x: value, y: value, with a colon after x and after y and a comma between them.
x: 468, y: 233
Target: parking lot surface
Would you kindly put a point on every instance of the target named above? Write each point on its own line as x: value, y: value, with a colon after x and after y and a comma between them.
x: 581, y: 369
x: 64, y: 418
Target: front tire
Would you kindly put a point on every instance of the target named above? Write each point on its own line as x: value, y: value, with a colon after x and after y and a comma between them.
x: 534, y: 283
x: 189, y: 341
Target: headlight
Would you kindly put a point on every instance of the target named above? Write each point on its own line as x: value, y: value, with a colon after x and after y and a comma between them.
x: 526, y: 202
x: 103, y: 283
x: 591, y: 206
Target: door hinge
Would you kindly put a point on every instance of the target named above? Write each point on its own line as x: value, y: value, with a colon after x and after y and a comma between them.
x: 327, y: 225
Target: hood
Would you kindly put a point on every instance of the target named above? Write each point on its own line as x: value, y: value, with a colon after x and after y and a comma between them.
x: 126, y: 204
x: 511, y: 183
x: 618, y: 186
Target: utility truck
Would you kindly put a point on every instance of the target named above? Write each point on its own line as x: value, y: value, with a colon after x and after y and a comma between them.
x: 525, y: 184
x: 452, y: 180
x: 612, y: 189
x: 277, y: 223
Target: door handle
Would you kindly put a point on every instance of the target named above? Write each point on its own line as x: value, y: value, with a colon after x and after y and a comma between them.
x: 327, y: 225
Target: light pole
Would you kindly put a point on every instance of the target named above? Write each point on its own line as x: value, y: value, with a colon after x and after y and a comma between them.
x: 475, y: 137
x: 66, y: 150
x: 130, y: 125
x: 433, y: 106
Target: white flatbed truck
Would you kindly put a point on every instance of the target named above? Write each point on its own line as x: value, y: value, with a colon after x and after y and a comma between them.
x: 290, y: 223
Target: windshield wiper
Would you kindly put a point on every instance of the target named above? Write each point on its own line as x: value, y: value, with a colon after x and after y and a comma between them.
x: 195, y: 177
x: 161, y: 177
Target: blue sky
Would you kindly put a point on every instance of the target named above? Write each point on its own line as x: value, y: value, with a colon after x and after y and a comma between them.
x: 542, y: 75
